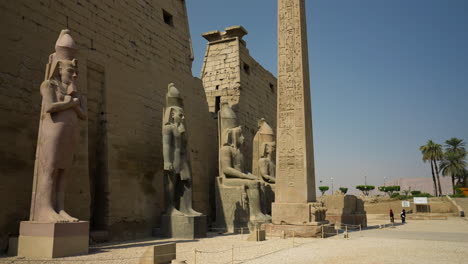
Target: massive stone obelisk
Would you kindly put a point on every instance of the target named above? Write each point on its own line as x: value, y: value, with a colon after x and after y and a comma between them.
x: 294, y: 209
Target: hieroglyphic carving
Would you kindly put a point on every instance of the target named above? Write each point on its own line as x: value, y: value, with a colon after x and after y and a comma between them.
x: 294, y: 145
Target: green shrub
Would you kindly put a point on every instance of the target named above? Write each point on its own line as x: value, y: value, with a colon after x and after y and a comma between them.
x: 389, y: 189
x: 344, y: 190
x: 458, y: 192
x: 323, y: 189
x: 415, y: 193
x: 365, y: 189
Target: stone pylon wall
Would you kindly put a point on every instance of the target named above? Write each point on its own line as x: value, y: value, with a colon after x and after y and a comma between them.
x: 230, y: 74
x: 129, y: 52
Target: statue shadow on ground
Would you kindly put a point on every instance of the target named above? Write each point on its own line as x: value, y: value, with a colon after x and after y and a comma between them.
x: 387, y: 225
x: 241, y: 216
x: 105, y: 247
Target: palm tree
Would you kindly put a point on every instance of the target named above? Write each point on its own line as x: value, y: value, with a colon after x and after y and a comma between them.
x: 453, y: 164
x: 455, y: 145
x: 437, y: 155
x: 427, y: 152
x: 455, y: 153
x: 464, y: 178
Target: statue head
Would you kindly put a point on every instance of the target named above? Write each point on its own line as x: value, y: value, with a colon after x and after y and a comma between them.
x: 233, y: 137
x: 230, y: 133
x: 63, y: 65
x: 68, y: 71
x: 264, y: 145
x: 268, y: 148
x: 174, y: 112
x: 265, y: 132
x: 227, y: 117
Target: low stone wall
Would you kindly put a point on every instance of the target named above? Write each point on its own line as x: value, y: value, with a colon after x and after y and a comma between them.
x: 436, y: 205
x: 345, y: 209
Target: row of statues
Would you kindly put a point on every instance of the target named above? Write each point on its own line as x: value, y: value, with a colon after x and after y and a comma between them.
x: 243, y: 198
x: 62, y: 108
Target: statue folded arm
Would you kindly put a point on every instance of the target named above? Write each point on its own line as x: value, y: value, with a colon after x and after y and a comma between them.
x: 79, y: 110
x: 49, y: 99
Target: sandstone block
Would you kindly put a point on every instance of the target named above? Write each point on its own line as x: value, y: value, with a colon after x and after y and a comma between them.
x: 53, y: 240
x: 160, y: 254
x: 184, y: 226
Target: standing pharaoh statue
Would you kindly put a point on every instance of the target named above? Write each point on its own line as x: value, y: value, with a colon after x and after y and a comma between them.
x: 62, y: 107
x: 238, y: 192
x: 179, y: 220
x: 177, y: 170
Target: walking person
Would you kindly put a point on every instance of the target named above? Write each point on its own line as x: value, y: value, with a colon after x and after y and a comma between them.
x: 403, y: 216
x: 392, y: 219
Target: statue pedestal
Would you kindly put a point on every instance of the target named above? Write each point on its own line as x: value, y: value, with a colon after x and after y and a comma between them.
x: 298, y: 230
x: 184, y: 226
x: 53, y: 240
x: 297, y: 219
x: 345, y: 209
x: 232, y: 210
x: 232, y: 203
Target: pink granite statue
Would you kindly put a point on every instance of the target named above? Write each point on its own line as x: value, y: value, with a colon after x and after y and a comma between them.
x: 62, y: 106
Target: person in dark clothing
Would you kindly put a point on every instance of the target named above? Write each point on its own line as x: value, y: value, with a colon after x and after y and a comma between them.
x: 403, y: 216
x: 392, y: 219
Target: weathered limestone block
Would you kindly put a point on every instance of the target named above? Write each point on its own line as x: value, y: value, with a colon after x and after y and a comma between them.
x: 232, y: 210
x: 53, y: 240
x: 257, y: 235
x: 159, y: 254
x: 345, y: 209
x: 184, y: 226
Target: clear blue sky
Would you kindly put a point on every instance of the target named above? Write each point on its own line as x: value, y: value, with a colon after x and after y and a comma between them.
x: 386, y: 76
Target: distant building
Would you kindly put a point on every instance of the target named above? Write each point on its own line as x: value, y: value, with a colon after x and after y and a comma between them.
x: 230, y: 74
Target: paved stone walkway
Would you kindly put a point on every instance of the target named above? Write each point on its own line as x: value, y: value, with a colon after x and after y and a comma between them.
x: 422, y: 241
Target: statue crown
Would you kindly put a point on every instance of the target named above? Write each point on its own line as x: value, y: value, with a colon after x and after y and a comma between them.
x: 65, y: 47
x: 227, y: 116
x: 173, y: 97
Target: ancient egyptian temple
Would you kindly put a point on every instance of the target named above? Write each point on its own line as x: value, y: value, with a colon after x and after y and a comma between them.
x: 110, y: 137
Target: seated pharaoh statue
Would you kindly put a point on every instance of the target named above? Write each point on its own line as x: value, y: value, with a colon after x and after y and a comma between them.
x: 239, y: 202
x: 264, y: 147
x: 263, y: 163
